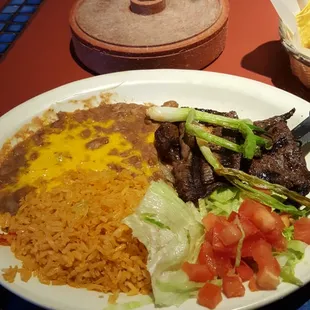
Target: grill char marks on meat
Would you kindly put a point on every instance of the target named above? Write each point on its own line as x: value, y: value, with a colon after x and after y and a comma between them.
x: 284, y: 164
x: 270, y: 122
x: 194, y: 177
x: 167, y: 143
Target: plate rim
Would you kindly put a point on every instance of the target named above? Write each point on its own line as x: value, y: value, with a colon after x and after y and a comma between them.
x: 152, y: 73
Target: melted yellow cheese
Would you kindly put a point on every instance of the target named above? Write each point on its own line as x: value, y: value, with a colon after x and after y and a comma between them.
x: 66, y: 150
x: 150, y: 138
x: 303, y: 23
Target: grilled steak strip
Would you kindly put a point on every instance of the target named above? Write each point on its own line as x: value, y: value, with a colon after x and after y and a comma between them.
x: 284, y: 164
x: 167, y: 143
x: 194, y: 177
x: 267, y: 123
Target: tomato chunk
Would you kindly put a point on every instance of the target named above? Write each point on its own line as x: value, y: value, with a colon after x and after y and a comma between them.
x: 263, y: 219
x: 244, y: 271
x: 223, y: 264
x: 267, y: 278
x: 197, y: 272
x: 262, y: 253
x: 248, y: 245
x: 259, y: 214
x: 248, y: 227
x: 209, y: 235
x: 230, y: 234
x: 233, y: 215
x: 252, y: 284
x: 275, y: 237
x: 205, y: 251
x: 232, y: 286
x: 279, y: 223
x: 277, y: 240
x: 247, y: 208
x: 209, y: 221
x: 209, y: 295
x: 268, y: 267
x: 302, y: 230
x: 206, y: 257
x: 217, y: 243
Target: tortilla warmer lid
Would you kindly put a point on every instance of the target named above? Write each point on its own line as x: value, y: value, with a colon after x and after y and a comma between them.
x: 118, y: 35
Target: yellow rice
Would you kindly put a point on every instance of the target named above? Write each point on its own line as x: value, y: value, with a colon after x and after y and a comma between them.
x: 72, y: 234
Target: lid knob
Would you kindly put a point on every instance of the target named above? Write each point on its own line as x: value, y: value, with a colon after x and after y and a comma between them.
x: 147, y: 7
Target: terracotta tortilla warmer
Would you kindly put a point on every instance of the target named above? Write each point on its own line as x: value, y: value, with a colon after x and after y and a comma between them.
x: 118, y: 35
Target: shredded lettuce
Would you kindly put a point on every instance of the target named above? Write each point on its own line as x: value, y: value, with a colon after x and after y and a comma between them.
x: 288, y: 261
x: 218, y: 282
x: 142, y: 301
x: 240, y: 243
x: 224, y: 194
x: 288, y: 233
x: 222, y: 201
x: 172, y: 232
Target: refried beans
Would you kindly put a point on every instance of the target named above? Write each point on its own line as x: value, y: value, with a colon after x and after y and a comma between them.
x: 111, y: 136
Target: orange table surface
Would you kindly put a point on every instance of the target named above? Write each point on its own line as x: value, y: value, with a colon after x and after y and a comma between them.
x: 41, y: 59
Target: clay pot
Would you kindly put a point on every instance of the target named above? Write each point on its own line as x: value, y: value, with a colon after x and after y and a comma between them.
x: 148, y: 34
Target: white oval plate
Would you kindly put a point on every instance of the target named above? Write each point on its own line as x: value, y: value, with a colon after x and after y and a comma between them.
x: 190, y: 88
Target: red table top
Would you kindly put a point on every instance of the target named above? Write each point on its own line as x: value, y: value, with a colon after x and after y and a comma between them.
x: 41, y: 60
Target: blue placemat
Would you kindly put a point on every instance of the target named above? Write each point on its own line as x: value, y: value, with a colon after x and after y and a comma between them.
x: 15, y: 16
x: 306, y: 306
x: 298, y: 300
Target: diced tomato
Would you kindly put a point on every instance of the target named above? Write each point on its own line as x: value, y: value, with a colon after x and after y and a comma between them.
x: 275, y: 237
x: 268, y: 267
x: 248, y: 207
x: 205, y: 250
x: 248, y: 227
x: 223, y: 264
x: 279, y: 223
x: 248, y: 245
x: 267, y: 279
x: 260, y: 215
x: 244, y: 271
x: 263, y: 220
x: 209, y: 221
x: 209, y: 295
x: 252, y: 284
x: 232, y: 216
x: 206, y: 257
x: 209, y: 235
x: 262, y: 253
x: 197, y: 272
x: 277, y: 240
x: 217, y: 244
x: 211, y: 264
x: 230, y: 234
x: 302, y: 230
x: 232, y: 286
